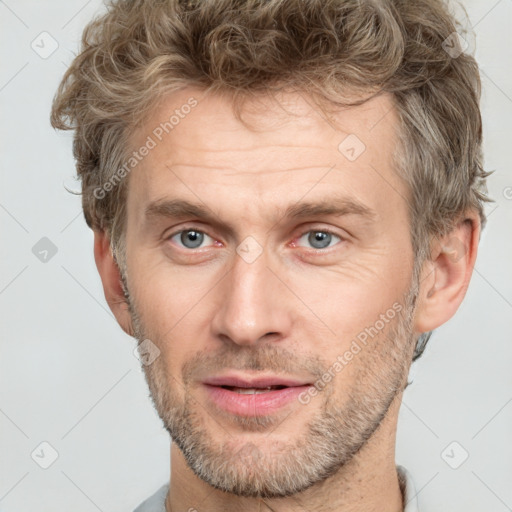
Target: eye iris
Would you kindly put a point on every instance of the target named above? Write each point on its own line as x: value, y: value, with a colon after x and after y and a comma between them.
x: 192, y: 239
x: 319, y: 239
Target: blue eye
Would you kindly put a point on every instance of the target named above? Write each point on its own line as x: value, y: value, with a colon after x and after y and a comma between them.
x: 320, y: 239
x: 190, y: 238
x: 194, y: 239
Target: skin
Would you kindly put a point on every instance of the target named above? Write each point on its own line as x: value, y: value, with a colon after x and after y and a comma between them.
x: 291, y: 311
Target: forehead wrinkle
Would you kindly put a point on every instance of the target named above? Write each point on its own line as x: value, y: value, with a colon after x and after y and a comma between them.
x: 238, y: 172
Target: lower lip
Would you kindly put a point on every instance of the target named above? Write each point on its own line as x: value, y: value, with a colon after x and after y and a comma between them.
x: 259, y: 404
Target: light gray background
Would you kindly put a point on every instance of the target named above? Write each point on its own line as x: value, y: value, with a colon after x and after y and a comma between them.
x: 69, y: 376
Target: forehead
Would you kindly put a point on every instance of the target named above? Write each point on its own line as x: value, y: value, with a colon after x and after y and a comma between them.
x: 288, y: 114
x: 198, y: 144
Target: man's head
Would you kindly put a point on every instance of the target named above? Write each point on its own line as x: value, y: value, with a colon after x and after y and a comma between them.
x: 280, y: 189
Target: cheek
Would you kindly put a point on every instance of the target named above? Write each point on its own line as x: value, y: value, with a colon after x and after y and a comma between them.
x: 175, y: 309
x: 353, y: 296
x: 165, y: 292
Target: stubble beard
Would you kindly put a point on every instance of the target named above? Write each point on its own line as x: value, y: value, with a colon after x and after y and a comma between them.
x: 273, y: 468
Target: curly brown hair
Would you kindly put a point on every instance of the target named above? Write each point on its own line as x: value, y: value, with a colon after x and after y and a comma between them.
x: 334, y: 50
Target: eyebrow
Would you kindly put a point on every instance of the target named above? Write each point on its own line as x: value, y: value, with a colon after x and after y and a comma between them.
x: 179, y: 208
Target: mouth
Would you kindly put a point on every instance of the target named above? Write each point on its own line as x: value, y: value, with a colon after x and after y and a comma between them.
x: 245, y: 396
x: 252, y: 391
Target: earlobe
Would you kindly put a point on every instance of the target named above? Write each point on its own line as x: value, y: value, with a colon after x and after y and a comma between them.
x: 446, y: 276
x: 111, y: 280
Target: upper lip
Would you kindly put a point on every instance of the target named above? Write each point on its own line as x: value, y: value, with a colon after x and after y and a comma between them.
x: 253, y: 382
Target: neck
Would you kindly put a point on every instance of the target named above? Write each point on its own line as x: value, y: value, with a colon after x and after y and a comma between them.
x: 368, y: 483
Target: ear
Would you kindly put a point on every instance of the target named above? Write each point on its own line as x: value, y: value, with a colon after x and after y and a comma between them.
x: 445, y: 277
x: 111, y: 280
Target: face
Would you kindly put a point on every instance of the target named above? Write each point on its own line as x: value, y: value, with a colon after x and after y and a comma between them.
x: 270, y: 255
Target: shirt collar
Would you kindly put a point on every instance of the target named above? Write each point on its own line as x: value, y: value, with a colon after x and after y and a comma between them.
x: 408, y: 490
x: 156, y: 502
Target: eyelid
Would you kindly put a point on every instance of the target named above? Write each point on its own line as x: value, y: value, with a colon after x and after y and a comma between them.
x: 170, y: 232
x: 309, y: 229
x: 319, y: 230
x: 170, y: 236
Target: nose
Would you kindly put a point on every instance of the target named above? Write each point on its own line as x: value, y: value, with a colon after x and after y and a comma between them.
x: 253, y: 305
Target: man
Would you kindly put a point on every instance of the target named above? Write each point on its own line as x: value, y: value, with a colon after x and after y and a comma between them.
x: 286, y: 198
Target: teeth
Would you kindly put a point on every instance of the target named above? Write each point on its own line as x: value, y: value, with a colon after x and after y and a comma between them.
x: 250, y: 391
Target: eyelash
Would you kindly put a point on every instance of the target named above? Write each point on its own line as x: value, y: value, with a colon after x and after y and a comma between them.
x: 310, y: 249
x: 327, y: 231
